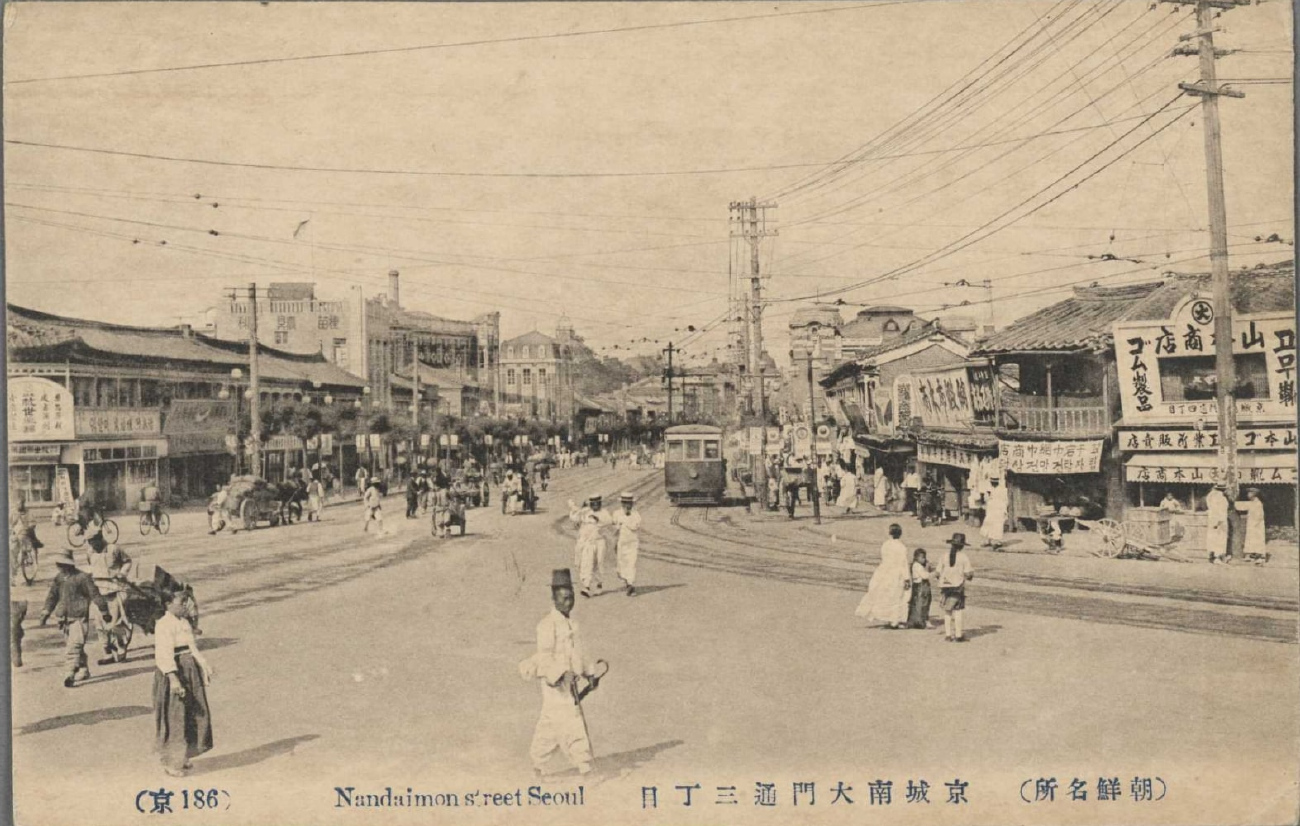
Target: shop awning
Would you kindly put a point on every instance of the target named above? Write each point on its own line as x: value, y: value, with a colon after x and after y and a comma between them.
x: 885, y: 444
x: 1254, y: 468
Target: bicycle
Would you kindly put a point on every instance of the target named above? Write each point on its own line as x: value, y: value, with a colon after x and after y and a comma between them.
x: 28, y: 557
x: 77, y: 532
x: 162, y: 527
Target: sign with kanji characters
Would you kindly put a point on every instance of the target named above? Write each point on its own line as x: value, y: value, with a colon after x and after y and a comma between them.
x: 1249, y: 438
x: 1051, y: 457
x: 39, y: 411
x: 122, y: 421
x: 1166, y: 367
x: 933, y: 454
x: 35, y: 454
x: 1278, y: 469
x: 327, y: 443
x: 953, y: 397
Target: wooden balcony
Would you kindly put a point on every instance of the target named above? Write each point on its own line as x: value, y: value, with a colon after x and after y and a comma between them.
x: 1064, y: 421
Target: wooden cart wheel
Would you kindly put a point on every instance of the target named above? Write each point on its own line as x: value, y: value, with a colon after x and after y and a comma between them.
x: 1112, y: 537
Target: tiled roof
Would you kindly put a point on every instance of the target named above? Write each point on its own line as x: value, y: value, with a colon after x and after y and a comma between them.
x: 33, y: 335
x: 917, y: 332
x: 530, y: 338
x: 1083, y: 321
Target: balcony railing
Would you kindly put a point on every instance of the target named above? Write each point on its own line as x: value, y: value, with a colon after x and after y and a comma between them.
x: 1081, y: 421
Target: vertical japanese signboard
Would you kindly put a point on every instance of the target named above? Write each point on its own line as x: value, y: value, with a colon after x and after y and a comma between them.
x: 1166, y: 367
x: 39, y: 411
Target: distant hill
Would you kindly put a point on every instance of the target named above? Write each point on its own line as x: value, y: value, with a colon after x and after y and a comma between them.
x: 596, y: 375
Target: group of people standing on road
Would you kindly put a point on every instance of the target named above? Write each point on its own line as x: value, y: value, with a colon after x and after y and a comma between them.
x: 593, y: 523
x: 899, y: 593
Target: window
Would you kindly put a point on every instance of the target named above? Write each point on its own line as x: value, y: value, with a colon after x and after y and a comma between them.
x: 1192, y: 378
x: 528, y: 377
x: 510, y: 352
x: 149, y: 395
x: 83, y: 392
x: 891, y: 326
x: 712, y: 449
x: 341, y: 352
x: 676, y: 451
x: 33, y: 483
x: 281, y: 336
x: 510, y: 377
x: 693, y: 449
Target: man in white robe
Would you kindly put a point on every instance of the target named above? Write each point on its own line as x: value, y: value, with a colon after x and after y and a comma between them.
x: 995, y: 514
x: 589, y: 552
x: 628, y: 523
x: 565, y: 675
x: 1216, y: 523
x: 1255, y: 534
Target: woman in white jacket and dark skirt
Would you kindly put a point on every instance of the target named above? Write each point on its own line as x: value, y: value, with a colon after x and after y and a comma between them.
x: 180, y: 698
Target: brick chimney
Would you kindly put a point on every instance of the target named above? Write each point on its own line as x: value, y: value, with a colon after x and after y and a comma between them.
x: 393, y: 297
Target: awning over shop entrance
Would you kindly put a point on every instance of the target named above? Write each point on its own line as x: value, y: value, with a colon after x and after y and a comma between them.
x: 1254, y: 468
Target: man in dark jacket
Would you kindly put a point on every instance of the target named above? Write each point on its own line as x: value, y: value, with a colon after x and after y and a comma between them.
x: 69, y: 601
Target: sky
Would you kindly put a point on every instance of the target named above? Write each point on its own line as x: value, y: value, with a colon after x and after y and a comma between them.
x: 579, y: 159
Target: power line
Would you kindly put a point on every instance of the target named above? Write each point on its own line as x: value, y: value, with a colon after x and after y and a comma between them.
x: 456, y: 45
x: 958, y: 244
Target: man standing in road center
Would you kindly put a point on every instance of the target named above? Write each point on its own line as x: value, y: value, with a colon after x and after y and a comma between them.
x: 628, y: 523
x: 566, y: 677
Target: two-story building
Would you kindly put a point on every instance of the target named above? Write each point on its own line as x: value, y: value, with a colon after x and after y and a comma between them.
x: 538, y: 377
x: 1168, y: 438
x: 1143, y: 351
x: 104, y: 408
x: 863, y: 395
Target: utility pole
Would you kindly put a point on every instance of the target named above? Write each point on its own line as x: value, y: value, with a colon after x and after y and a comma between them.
x: 254, y: 383
x: 1208, y: 90
x: 752, y: 218
x: 668, y: 377
x: 415, y: 404
x: 815, y: 493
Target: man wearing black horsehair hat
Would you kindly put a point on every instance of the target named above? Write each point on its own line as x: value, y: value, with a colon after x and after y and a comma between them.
x: 566, y: 677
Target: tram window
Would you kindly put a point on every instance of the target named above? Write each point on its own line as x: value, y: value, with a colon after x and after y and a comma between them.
x: 712, y: 449
x: 675, y: 451
x: 693, y: 449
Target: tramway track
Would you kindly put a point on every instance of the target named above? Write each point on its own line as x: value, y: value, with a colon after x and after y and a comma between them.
x: 753, y: 558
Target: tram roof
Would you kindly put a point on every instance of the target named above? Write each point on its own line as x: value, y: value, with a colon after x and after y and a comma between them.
x: 693, y: 430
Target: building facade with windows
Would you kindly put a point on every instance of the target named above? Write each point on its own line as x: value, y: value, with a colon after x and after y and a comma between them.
x: 537, y: 376
x: 102, y: 409
x: 373, y: 337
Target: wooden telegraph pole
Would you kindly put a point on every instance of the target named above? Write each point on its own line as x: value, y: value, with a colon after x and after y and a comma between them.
x: 1209, y: 90
x: 668, y: 377
x: 752, y: 219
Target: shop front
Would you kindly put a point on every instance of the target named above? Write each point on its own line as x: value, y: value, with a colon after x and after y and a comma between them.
x: 40, y: 428
x: 960, y: 466
x: 199, y: 457
x: 892, y: 455
x: 112, y: 473
x: 1060, y: 477
x: 1178, y: 480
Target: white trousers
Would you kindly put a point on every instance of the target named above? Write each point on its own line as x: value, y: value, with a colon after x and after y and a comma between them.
x: 561, y: 726
x: 627, y: 553
x: 588, y: 562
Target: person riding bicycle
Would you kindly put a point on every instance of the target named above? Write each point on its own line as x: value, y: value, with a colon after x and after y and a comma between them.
x: 110, y: 567
x: 151, y: 501
x: 87, y: 513
x: 22, y: 533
